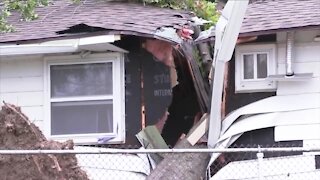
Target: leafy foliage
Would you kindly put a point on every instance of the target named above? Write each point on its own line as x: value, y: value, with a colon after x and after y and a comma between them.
x: 202, y: 8
x: 25, y: 7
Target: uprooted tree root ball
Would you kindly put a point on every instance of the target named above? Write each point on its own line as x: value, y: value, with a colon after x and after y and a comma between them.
x: 18, y: 133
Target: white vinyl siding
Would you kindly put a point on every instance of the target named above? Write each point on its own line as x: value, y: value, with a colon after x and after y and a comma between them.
x: 306, y: 59
x: 21, y: 84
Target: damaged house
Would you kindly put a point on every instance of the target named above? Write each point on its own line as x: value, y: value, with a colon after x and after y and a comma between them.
x: 98, y: 72
x: 271, y: 91
x: 276, y: 57
x: 104, y: 76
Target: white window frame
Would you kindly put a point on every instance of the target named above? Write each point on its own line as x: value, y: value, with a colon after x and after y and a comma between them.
x: 118, y: 97
x: 255, y: 85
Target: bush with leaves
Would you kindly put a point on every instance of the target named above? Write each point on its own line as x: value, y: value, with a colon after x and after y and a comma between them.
x: 202, y: 8
x: 25, y: 7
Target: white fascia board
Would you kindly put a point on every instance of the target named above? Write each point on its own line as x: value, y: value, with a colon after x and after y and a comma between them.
x: 100, y: 43
x: 102, y: 47
x: 259, y: 121
x: 29, y: 49
x: 227, y: 31
x: 95, y: 43
x: 98, y: 39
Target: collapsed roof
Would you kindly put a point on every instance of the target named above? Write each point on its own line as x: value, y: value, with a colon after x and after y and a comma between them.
x: 63, y: 18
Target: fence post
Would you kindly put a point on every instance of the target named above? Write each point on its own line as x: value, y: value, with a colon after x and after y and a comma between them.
x: 260, y: 164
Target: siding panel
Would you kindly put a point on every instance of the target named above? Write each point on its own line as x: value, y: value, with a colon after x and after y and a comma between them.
x: 34, y: 113
x: 22, y: 84
x: 308, y: 67
x: 40, y: 124
x: 303, y: 52
x: 299, y: 87
x: 23, y: 98
x: 289, y: 133
x: 21, y: 68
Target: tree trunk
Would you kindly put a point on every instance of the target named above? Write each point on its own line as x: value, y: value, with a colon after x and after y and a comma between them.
x: 182, y: 166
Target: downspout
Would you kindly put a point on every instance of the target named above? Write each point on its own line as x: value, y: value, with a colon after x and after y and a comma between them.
x: 289, y: 73
x: 290, y: 45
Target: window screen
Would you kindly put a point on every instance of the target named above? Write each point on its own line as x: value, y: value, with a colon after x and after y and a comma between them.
x: 78, y: 98
x: 81, y: 80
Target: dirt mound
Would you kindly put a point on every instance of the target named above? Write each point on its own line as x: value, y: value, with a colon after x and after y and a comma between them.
x: 17, y: 132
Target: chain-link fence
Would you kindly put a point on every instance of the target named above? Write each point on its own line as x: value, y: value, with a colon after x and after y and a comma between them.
x: 294, y: 163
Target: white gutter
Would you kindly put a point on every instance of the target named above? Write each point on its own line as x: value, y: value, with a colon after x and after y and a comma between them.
x: 12, y: 50
x: 227, y: 31
x: 94, y: 43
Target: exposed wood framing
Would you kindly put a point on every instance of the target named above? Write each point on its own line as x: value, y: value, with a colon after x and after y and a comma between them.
x: 198, y: 130
x: 143, y: 107
x: 225, y: 90
x: 201, y: 87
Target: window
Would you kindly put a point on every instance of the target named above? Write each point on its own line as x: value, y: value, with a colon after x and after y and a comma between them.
x: 253, y: 64
x: 85, y: 98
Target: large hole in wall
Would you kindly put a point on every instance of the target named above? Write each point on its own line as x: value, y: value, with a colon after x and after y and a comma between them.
x: 167, y: 92
x: 184, y: 106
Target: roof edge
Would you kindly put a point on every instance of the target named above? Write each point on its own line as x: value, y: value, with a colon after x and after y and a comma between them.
x: 272, y: 31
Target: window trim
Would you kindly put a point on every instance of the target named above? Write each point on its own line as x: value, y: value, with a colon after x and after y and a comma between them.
x: 258, y: 84
x: 118, y: 97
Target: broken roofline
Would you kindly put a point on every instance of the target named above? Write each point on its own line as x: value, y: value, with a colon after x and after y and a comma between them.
x: 165, y: 34
x: 92, y: 43
x: 117, y: 17
x: 79, y: 35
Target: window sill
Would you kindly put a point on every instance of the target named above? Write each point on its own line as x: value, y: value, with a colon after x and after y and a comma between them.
x: 90, y: 140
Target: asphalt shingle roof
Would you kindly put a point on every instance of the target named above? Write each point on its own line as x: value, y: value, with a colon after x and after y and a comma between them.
x: 262, y: 16
x: 267, y: 15
x: 120, y: 18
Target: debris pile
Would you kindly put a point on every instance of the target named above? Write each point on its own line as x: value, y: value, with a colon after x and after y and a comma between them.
x: 18, y: 133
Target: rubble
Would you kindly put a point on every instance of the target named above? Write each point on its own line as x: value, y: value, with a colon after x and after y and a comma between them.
x: 18, y: 133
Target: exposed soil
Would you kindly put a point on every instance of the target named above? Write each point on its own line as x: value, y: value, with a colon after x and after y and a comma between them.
x: 17, y: 132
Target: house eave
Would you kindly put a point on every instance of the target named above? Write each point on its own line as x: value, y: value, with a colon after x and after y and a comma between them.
x: 93, y: 43
x: 273, y: 31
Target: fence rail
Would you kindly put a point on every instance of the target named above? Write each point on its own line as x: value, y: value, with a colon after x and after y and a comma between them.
x: 147, y: 151
x: 294, y: 163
